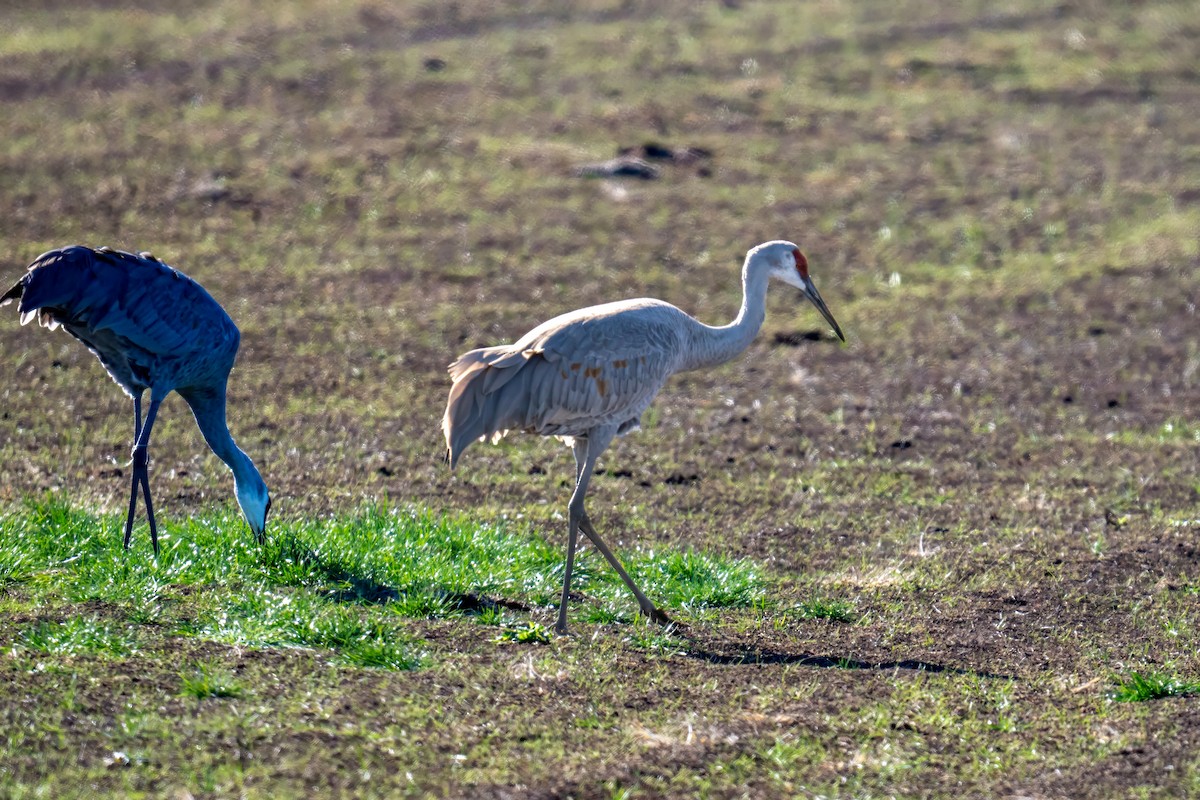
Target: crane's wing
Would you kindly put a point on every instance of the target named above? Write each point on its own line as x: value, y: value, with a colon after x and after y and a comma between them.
x: 136, y: 300
x: 592, y: 367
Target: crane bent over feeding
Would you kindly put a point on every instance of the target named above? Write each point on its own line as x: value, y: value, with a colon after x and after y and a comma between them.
x: 152, y: 327
x: 586, y: 377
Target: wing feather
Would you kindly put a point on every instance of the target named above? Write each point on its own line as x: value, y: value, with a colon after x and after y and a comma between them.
x: 592, y: 367
x: 137, y: 297
x: 134, y: 312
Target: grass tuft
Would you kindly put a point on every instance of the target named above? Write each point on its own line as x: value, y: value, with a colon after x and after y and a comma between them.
x: 1139, y: 687
x: 601, y: 615
x: 820, y: 608
x: 490, y: 615
x: 383, y: 653
x: 527, y: 633
x: 653, y: 640
x: 15, y: 567
x: 210, y: 680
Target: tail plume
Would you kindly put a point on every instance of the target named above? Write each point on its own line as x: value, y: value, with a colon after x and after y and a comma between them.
x: 481, y: 403
x: 15, y: 293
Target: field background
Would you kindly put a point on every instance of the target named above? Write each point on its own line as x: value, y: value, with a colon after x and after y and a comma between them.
x: 963, y: 538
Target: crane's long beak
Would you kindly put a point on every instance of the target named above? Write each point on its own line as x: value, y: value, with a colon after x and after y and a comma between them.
x: 810, y: 291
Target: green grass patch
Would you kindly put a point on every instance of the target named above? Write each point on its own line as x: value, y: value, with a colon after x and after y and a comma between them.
x: 693, y: 580
x: 77, y: 636
x: 343, y: 584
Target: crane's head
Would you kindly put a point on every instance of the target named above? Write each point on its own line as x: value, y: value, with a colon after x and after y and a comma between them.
x: 785, y: 262
x: 255, y: 501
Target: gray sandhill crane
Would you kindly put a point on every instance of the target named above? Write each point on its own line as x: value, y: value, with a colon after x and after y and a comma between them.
x: 586, y: 376
x: 152, y: 327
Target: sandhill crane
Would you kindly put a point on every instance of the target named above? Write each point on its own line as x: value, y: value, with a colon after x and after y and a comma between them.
x: 586, y: 376
x: 152, y: 327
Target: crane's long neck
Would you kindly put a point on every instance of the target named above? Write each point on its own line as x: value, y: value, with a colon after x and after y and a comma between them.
x: 712, y: 345
x: 208, y: 406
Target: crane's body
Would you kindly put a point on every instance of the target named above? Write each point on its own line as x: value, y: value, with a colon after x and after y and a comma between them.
x: 589, y: 368
x: 588, y: 375
x: 151, y: 327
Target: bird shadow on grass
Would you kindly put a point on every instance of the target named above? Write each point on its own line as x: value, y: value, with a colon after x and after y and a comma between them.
x: 290, y: 561
x: 295, y: 562
x: 360, y: 590
x: 732, y: 654
x: 354, y: 589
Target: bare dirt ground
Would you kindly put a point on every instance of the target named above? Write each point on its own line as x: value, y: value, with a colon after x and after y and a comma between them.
x: 1000, y: 472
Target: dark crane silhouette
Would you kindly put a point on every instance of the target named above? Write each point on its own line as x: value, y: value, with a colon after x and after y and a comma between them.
x: 152, y: 327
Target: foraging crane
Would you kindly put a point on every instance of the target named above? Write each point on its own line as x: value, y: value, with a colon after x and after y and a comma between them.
x: 586, y: 376
x: 152, y: 327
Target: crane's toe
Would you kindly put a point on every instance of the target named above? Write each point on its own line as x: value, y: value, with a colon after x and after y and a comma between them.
x: 657, y: 616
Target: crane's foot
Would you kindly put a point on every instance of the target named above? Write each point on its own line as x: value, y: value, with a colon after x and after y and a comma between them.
x: 657, y: 616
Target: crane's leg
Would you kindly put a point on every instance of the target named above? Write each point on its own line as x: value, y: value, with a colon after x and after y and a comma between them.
x: 585, y: 524
x: 141, y: 471
x: 137, y: 432
x: 586, y: 451
x: 648, y: 608
x: 583, y: 472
